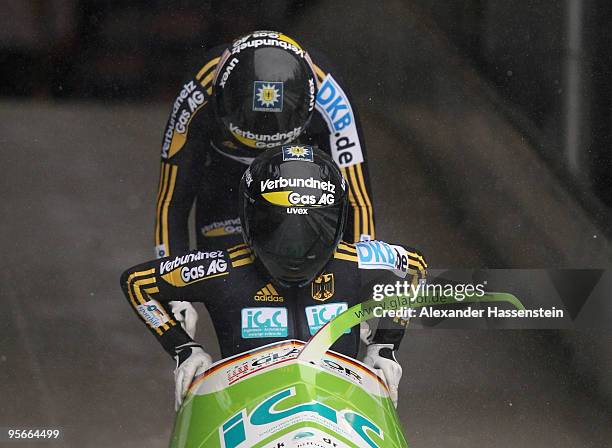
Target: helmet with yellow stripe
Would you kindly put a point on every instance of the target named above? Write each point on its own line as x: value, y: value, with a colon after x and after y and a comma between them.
x: 293, y: 209
x: 264, y: 90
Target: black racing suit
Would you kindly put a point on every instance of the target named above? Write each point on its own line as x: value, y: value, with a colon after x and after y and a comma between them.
x: 248, y: 310
x: 199, y: 166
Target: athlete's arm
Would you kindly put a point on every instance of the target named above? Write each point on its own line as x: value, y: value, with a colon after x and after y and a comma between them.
x: 410, y: 265
x: 149, y: 286
x: 140, y: 287
x: 344, y: 140
x: 176, y: 193
x: 390, y: 331
x: 184, y: 145
x: 378, y: 258
x: 181, y: 169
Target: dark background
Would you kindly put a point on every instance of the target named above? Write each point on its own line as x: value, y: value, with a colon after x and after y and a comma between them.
x: 488, y: 128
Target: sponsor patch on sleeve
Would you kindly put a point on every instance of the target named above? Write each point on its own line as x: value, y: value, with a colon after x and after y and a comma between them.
x: 201, y: 266
x: 190, y: 100
x: 380, y: 255
x: 160, y: 251
x: 334, y: 106
x: 153, y: 313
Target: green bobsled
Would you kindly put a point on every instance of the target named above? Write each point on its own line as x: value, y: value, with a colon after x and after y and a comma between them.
x: 270, y: 398
x: 292, y: 394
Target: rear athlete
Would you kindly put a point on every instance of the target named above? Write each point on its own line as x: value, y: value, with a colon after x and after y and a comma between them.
x: 259, y: 92
x: 292, y: 276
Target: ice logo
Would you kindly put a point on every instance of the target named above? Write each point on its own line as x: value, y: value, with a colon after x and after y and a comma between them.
x: 268, y: 96
x: 239, y: 429
x: 319, y: 315
x: 264, y: 323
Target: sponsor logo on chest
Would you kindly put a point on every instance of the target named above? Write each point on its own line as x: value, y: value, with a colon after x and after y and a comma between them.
x: 264, y: 323
x: 268, y: 294
x: 319, y: 315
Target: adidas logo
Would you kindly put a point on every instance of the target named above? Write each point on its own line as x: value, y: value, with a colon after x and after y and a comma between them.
x: 268, y: 294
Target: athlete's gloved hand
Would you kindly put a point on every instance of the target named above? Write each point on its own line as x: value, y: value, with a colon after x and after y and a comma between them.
x: 365, y: 333
x: 191, y: 361
x: 186, y: 315
x: 382, y: 356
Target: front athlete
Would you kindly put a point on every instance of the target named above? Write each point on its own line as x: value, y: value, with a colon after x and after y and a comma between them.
x: 291, y: 277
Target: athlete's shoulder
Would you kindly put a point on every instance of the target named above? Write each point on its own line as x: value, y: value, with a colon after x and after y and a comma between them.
x: 208, y: 69
x: 206, y: 263
x: 400, y: 259
x: 346, y: 251
x: 139, y: 272
x: 323, y: 65
x: 179, y: 271
x: 240, y: 255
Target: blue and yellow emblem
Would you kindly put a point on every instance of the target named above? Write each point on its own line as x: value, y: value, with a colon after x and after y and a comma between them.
x: 268, y: 96
x: 297, y: 152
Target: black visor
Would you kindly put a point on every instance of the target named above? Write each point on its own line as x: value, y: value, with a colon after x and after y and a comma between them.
x: 293, y: 211
x: 294, y: 248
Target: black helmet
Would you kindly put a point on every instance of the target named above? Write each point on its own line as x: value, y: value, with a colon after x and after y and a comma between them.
x: 293, y: 207
x: 264, y: 90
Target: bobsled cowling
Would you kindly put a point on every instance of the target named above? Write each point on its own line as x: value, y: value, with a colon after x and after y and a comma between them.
x: 267, y: 397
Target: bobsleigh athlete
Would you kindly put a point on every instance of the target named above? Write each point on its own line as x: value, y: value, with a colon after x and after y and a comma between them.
x: 261, y: 91
x: 291, y: 276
